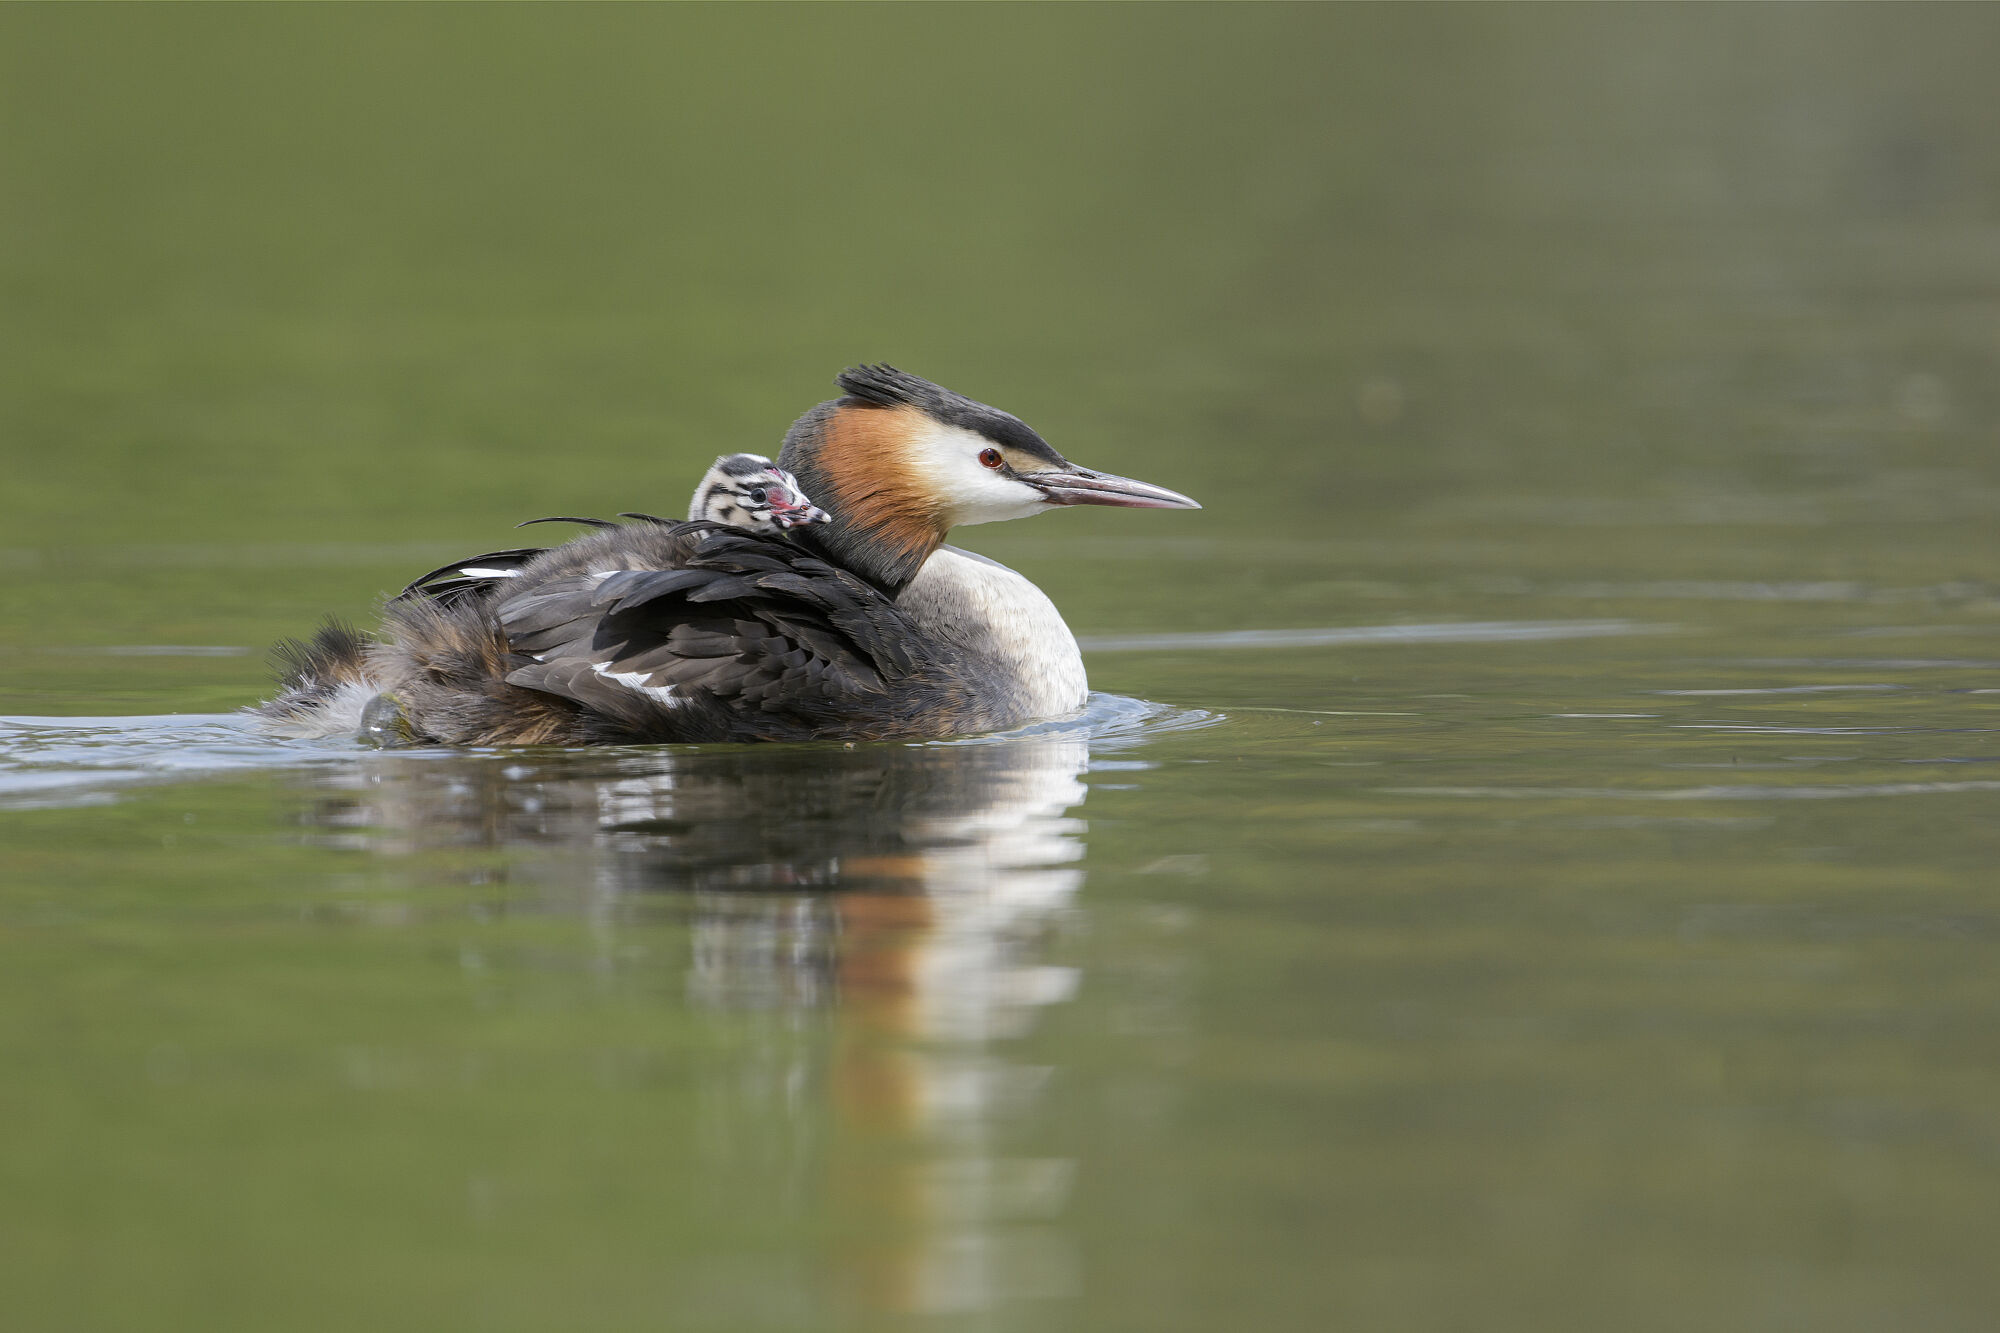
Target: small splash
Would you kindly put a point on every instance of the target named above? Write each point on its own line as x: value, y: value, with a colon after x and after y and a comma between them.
x: 1107, y: 722
x: 57, y: 762
x: 48, y: 762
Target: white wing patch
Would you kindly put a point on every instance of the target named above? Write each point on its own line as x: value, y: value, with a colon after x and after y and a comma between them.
x: 637, y: 680
x: 473, y: 572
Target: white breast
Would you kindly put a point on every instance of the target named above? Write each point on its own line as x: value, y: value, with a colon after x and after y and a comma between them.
x: 1007, y: 624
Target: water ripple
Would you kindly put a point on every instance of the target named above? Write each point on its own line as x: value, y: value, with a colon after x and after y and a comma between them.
x: 1731, y: 793
x: 1469, y: 631
x: 1792, y: 689
x: 48, y: 762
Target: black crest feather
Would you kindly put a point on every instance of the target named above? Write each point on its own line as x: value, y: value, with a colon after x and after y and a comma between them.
x: 886, y: 386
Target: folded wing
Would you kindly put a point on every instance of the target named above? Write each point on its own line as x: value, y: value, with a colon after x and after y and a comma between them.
x: 745, y: 638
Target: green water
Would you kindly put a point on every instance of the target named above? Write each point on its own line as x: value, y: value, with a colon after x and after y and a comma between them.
x: 1576, y: 911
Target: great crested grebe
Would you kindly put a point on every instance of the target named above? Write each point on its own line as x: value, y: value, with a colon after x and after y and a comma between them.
x: 864, y: 627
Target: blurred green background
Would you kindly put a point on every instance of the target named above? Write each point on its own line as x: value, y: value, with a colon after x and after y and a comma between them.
x: 381, y: 283
x: 426, y: 244
x: 331, y: 276
x: 1639, y: 981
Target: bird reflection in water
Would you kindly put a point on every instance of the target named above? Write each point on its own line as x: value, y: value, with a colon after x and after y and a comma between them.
x: 905, y: 897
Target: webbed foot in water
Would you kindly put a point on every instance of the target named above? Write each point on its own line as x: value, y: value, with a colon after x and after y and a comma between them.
x: 383, y: 724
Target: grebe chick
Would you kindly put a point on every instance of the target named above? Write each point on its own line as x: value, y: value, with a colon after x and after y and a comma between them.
x: 860, y: 628
x: 746, y: 491
x: 750, y: 491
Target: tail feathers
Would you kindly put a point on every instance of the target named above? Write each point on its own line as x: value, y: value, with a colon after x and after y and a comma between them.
x: 323, y: 682
x: 447, y: 665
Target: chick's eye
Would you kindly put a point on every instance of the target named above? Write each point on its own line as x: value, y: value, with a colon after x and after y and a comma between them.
x: 990, y: 457
x: 757, y: 495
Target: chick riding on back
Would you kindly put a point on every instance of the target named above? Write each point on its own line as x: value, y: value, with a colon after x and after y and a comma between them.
x: 750, y: 491
x: 760, y: 621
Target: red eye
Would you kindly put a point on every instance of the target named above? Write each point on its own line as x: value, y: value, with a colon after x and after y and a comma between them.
x: 990, y: 457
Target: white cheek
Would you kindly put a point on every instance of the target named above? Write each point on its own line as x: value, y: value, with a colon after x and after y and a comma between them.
x: 948, y: 458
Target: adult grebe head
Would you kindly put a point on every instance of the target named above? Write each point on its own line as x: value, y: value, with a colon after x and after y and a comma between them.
x: 900, y: 462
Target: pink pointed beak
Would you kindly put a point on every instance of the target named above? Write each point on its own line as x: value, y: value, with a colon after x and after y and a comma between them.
x: 794, y: 510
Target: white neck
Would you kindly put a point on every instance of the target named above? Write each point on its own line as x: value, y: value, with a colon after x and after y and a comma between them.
x: 1007, y: 626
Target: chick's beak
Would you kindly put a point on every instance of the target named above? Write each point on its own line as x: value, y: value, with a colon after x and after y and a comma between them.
x: 794, y: 510
x: 1081, y: 486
